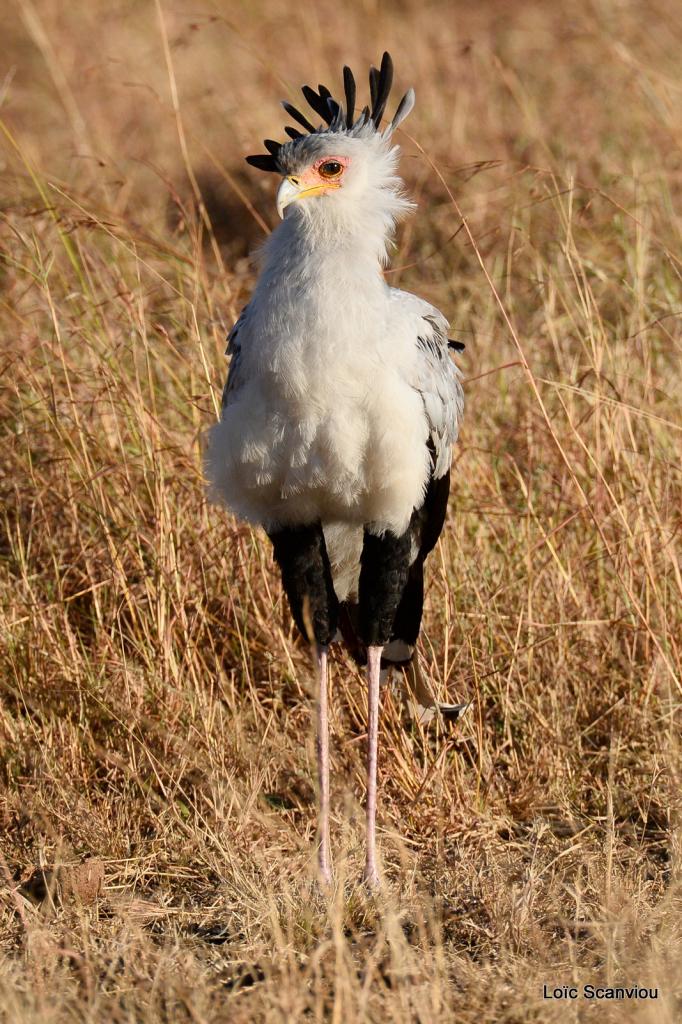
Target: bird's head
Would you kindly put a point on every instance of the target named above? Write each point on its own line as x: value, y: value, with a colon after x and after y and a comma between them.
x: 346, y: 164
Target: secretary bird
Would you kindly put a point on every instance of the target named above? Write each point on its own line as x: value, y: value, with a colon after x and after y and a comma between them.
x: 340, y: 409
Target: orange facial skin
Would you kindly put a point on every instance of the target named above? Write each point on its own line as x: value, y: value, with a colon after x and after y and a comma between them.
x: 325, y: 174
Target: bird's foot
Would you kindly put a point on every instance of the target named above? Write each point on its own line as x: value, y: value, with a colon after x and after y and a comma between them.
x: 324, y: 877
x: 370, y: 877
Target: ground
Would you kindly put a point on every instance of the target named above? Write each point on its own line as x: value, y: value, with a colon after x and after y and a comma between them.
x: 155, y: 706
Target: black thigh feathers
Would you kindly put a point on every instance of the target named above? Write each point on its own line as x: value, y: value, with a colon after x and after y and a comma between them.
x: 384, y: 567
x: 307, y: 579
x: 425, y: 527
x: 391, y: 583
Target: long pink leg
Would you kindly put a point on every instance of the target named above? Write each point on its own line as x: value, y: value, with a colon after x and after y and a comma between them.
x: 322, y: 745
x: 373, y: 672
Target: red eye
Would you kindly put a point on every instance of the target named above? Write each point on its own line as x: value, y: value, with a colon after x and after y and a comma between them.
x: 330, y: 169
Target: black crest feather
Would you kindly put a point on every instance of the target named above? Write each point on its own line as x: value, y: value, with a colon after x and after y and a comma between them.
x: 263, y: 161
x: 333, y: 115
x: 318, y: 103
x: 349, y: 90
x: 384, y: 83
x: 373, y: 85
x: 298, y: 116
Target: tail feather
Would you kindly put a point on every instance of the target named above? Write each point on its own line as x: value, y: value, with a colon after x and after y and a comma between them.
x: 425, y: 704
x: 400, y: 655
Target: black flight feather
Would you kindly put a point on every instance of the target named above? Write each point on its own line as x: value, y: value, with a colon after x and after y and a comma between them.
x: 456, y: 346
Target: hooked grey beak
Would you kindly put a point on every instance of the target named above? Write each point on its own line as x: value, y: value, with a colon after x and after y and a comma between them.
x: 286, y: 193
x: 290, y: 190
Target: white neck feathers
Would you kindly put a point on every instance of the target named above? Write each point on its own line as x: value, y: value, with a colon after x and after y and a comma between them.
x: 353, y: 225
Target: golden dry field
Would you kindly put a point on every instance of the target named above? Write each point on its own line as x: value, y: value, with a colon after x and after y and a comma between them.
x: 156, y: 709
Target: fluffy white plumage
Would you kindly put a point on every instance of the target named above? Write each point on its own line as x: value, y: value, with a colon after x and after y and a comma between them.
x: 337, y: 381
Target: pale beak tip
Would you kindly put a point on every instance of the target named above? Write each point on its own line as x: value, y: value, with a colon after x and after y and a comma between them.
x: 286, y: 193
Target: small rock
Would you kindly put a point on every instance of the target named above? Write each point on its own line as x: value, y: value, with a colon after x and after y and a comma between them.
x: 67, y: 884
x: 81, y: 883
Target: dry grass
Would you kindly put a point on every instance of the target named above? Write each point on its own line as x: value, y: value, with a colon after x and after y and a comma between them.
x: 155, y: 709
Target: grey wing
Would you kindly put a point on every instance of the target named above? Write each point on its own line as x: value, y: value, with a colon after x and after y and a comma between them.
x: 233, y: 350
x: 438, y: 382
